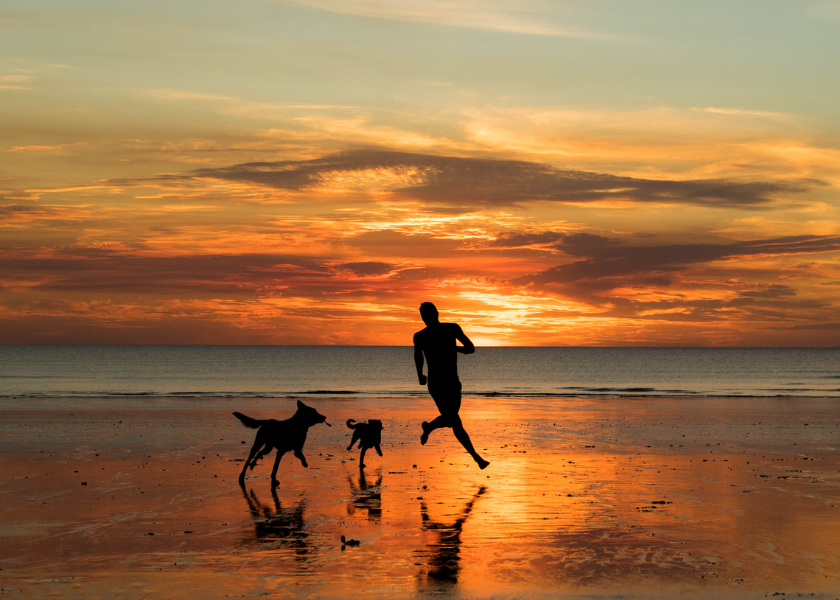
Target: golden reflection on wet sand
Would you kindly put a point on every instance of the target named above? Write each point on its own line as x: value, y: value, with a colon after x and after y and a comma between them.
x: 596, y: 498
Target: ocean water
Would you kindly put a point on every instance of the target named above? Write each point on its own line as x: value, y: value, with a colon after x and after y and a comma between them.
x: 280, y: 371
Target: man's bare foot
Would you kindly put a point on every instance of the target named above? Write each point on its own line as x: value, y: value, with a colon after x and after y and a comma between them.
x: 425, y: 437
x: 482, y: 464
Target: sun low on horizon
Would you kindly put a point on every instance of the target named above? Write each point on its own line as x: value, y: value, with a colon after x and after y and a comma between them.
x: 548, y: 173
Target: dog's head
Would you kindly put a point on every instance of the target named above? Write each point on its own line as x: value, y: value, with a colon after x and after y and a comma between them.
x: 375, y: 424
x: 309, y: 415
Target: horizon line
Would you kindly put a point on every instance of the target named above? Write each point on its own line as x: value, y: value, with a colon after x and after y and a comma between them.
x: 671, y: 346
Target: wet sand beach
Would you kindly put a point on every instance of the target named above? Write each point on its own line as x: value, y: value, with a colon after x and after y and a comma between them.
x: 595, y: 498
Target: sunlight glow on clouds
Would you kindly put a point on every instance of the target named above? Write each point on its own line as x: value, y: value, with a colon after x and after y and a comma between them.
x: 309, y: 172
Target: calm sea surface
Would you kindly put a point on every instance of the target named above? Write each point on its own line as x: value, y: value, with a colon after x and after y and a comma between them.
x: 44, y: 371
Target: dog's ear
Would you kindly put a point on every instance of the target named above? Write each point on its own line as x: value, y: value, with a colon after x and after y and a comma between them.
x: 300, y: 405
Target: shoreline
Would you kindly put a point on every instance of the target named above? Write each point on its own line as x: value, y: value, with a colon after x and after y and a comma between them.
x: 315, y: 372
x: 13, y: 402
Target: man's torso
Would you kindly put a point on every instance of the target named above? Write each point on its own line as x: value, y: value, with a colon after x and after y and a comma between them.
x: 438, y: 345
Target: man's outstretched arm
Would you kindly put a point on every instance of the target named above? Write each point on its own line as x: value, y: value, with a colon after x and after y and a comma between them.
x: 468, y: 347
x: 418, y: 362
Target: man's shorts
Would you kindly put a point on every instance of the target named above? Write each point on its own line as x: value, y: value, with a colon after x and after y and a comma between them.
x: 447, y: 396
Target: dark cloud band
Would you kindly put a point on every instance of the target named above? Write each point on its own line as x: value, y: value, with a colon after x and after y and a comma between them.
x: 604, y: 258
x: 483, y: 183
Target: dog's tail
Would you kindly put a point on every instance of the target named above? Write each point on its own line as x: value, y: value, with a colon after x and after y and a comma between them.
x: 248, y: 421
x: 351, y: 423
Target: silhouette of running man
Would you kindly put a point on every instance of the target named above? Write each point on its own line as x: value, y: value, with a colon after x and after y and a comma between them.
x: 437, y: 343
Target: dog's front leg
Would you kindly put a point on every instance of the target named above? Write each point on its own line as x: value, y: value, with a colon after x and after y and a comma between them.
x: 378, y: 450
x: 299, y: 454
x: 362, y: 458
x: 274, y: 470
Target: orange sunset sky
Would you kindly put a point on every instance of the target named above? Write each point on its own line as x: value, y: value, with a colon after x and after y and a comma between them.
x: 607, y: 172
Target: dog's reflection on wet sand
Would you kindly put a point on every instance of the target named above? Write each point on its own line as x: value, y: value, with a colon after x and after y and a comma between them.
x: 284, y: 526
x: 444, y: 563
x: 365, y: 496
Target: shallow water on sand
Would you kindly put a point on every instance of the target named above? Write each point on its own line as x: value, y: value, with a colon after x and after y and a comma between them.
x: 642, y: 498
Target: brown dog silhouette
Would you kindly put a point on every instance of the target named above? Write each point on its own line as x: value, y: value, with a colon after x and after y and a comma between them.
x: 369, y: 435
x: 288, y: 435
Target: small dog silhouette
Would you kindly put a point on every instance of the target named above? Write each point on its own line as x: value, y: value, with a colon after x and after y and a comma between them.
x: 288, y: 435
x: 369, y: 435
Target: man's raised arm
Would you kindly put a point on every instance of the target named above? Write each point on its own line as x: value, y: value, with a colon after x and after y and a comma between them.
x: 468, y: 347
x: 418, y: 362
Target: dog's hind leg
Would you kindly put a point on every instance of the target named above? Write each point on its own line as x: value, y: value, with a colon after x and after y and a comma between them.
x: 353, y: 440
x: 362, y: 458
x: 274, y: 481
x: 260, y: 454
x: 257, y: 445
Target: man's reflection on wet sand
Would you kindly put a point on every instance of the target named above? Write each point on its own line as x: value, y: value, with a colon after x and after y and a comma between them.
x: 366, y: 496
x: 278, y: 524
x: 444, y: 562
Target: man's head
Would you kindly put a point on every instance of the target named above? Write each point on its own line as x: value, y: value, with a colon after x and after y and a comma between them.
x: 429, y: 313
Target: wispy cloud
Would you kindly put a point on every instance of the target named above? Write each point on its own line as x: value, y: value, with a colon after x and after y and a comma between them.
x: 20, y: 80
x: 528, y: 17
x: 189, y: 95
x: 659, y: 142
x: 45, y: 148
x: 743, y: 112
x: 241, y: 106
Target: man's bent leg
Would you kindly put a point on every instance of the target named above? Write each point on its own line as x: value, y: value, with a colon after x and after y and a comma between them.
x: 462, y: 436
x: 448, y: 401
x: 428, y: 428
